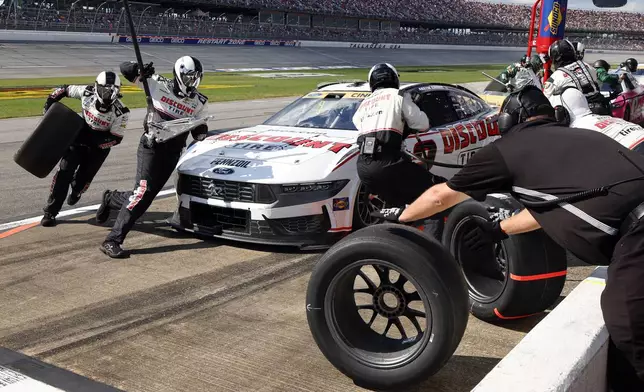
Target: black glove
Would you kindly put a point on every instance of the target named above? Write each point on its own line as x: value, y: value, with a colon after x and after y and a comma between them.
x: 48, y: 104
x: 389, y: 214
x: 200, y: 132
x: 148, y: 70
x: 485, y: 234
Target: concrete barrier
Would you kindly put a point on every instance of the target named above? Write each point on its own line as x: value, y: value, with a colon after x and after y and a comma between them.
x: 566, y: 351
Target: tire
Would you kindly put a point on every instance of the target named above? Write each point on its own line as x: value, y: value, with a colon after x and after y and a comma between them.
x: 533, y: 266
x: 372, y: 359
x: 363, y: 205
x: 47, y: 144
x: 627, y: 113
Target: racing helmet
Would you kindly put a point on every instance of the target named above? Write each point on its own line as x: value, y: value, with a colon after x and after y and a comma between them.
x: 187, y: 75
x: 536, y: 62
x: 383, y: 75
x: 562, y: 53
x: 525, y: 60
x: 575, y: 103
x: 601, y: 64
x: 107, y: 87
x: 580, y: 50
x: 631, y: 64
x: 522, y: 104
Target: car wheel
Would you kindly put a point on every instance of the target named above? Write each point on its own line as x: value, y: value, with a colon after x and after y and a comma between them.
x: 44, y: 148
x: 366, y: 203
x: 519, y: 277
x: 387, y: 306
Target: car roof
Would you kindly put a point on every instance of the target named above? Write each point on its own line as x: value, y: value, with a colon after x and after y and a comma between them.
x: 363, y: 86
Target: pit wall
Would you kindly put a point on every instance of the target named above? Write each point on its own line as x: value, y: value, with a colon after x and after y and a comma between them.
x: 565, y: 352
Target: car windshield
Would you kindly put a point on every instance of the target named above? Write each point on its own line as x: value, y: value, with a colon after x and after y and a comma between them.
x: 321, y: 109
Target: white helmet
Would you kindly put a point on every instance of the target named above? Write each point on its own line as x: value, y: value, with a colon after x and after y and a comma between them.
x: 575, y: 104
x: 107, y: 87
x: 187, y: 75
x: 580, y: 48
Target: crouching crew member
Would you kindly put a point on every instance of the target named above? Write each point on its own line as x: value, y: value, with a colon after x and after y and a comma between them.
x: 105, y: 120
x: 384, y: 120
x: 604, y: 225
x: 173, y: 99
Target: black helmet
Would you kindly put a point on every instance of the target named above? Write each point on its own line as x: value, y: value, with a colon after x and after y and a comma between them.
x: 562, y: 53
x: 383, y: 75
x: 601, y: 64
x: 523, y: 104
x: 536, y: 63
x: 525, y: 60
x: 631, y: 64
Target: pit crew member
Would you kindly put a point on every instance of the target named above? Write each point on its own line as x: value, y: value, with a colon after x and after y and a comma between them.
x: 519, y: 75
x: 172, y: 98
x: 630, y: 65
x: 105, y: 120
x: 384, y: 120
x: 575, y: 73
x: 605, y: 228
x: 602, y: 67
x: 573, y: 110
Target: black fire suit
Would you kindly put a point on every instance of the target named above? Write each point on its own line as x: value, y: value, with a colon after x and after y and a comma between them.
x: 156, y: 162
x: 84, y: 158
x: 389, y: 118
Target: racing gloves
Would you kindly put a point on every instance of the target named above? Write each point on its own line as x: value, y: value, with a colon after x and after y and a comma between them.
x: 389, y: 214
x: 200, y: 132
x: 55, y: 96
x: 485, y: 233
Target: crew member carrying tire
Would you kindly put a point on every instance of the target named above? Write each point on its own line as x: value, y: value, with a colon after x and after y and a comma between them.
x: 384, y: 120
x: 105, y: 120
x: 630, y: 65
x: 172, y: 99
x: 574, y: 112
x: 602, y: 67
x: 571, y: 72
x: 519, y: 75
x: 597, y: 217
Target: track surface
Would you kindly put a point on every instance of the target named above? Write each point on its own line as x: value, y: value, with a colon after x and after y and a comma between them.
x: 42, y: 60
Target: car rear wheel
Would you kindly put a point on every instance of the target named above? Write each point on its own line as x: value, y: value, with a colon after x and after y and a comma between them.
x: 366, y: 203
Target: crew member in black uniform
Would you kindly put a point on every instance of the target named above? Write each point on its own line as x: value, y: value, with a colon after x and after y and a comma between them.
x: 536, y: 159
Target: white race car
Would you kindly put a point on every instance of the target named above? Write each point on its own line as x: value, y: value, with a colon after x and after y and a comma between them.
x: 293, y: 180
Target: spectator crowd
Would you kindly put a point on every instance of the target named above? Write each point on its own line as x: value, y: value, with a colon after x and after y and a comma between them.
x: 609, y: 27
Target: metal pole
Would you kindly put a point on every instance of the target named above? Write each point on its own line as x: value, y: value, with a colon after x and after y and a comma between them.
x: 38, y: 17
x: 139, y: 60
x: 69, y: 15
x: 214, y: 30
x: 532, y: 20
x: 161, y: 22
x: 118, y: 22
x: 6, y: 21
x: 96, y: 14
x: 138, y: 27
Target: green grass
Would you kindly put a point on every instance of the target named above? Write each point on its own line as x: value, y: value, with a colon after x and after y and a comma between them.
x: 256, y: 87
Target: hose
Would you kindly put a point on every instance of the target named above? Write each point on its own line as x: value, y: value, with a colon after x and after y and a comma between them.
x: 603, y: 191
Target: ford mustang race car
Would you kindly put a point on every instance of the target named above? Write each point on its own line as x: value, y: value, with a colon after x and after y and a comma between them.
x: 293, y: 179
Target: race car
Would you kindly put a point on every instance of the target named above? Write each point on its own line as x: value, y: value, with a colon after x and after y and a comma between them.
x: 293, y: 180
x: 629, y: 103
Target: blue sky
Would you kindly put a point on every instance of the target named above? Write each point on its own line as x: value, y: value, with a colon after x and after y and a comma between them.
x: 631, y: 5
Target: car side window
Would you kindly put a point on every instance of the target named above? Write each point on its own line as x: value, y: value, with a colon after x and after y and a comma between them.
x: 438, y: 108
x: 465, y: 105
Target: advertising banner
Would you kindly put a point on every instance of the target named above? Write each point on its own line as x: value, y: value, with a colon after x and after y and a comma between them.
x: 206, y: 41
x: 552, y: 24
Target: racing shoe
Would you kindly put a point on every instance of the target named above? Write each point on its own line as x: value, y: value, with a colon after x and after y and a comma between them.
x: 73, y: 198
x: 48, y: 220
x: 113, y: 250
x: 103, y: 211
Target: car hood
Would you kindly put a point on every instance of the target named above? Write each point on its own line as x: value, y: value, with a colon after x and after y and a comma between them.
x: 269, y: 154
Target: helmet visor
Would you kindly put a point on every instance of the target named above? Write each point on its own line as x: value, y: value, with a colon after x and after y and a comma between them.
x: 191, y: 79
x: 107, y: 93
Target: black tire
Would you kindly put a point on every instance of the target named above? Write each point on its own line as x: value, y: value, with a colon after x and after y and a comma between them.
x: 372, y: 359
x: 47, y: 144
x: 533, y: 266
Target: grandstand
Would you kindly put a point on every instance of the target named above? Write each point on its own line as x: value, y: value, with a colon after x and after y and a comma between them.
x: 462, y: 22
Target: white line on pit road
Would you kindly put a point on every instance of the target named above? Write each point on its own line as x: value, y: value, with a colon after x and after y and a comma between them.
x: 74, y: 211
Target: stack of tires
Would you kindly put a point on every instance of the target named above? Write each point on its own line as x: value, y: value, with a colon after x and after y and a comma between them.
x: 388, y: 304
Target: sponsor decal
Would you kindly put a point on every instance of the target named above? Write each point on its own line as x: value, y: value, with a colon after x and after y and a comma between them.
x: 341, y: 204
x: 223, y: 170
x: 207, y: 41
x: 215, y: 190
x: 334, y: 147
x: 375, y: 46
x: 259, y: 146
x: 177, y: 107
x: 95, y: 120
x: 357, y: 95
x: 231, y: 162
x: 464, y: 134
x: 138, y: 194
